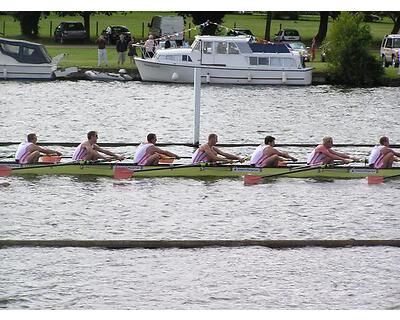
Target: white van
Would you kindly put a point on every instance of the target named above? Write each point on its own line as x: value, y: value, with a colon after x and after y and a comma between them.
x: 166, y: 25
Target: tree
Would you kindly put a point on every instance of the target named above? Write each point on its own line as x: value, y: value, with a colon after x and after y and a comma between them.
x: 395, y: 16
x: 323, y: 24
x: 347, y: 47
x: 29, y: 22
x: 268, y: 21
x: 199, y: 17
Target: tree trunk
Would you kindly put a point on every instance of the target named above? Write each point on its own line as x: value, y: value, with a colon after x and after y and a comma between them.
x: 86, y: 23
x: 29, y: 22
x: 396, y: 26
x: 323, y: 26
x: 267, y: 34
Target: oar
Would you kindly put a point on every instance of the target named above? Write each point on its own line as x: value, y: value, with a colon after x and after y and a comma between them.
x: 5, y: 171
x: 121, y: 172
x: 380, y: 179
x: 8, y: 157
x: 250, y: 179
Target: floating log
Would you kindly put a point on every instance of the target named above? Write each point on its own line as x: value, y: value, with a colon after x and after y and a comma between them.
x: 191, y: 244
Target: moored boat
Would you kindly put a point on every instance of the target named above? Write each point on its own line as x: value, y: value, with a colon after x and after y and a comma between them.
x: 194, y: 171
x: 226, y: 60
x: 21, y: 59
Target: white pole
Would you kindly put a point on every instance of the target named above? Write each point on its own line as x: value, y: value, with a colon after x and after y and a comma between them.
x: 197, y: 86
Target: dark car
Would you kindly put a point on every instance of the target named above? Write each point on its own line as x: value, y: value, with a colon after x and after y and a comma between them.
x: 112, y: 33
x: 238, y: 32
x: 69, y: 31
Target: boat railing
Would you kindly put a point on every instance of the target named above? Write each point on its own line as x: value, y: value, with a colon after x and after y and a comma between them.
x: 144, y: 54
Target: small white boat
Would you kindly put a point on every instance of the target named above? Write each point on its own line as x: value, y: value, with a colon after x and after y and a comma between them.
x: 230, y: 60
x: 26, y: 60
x: 107, y: 76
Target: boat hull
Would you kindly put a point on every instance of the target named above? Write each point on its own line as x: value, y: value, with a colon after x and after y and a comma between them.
x: 198, y: 171
x: 155, y: 71
x: 28, y: 72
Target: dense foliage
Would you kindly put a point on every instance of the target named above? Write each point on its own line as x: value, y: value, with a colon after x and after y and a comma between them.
x: 347, y: 48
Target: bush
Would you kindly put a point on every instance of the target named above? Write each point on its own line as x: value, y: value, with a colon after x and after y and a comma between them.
x: 347, y: 49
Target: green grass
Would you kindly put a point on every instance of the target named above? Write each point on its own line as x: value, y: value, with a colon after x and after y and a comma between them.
x: 86, y: 55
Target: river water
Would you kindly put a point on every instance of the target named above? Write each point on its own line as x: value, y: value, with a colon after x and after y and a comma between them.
x: 49, y: 207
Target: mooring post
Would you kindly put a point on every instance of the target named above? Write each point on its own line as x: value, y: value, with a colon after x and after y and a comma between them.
x: 197, y: 87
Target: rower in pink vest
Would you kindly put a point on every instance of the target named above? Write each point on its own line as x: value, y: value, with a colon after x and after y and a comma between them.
x: 381, y: 155
x: 208, y: 152
x: 266, y: 155
x: 323, y: 154
x: 148, y: 154
x: 29, y: 151
x: 89, y: 150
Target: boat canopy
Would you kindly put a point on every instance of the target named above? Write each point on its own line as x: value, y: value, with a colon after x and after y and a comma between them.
x: 269, y: 47
x: 24, y: 51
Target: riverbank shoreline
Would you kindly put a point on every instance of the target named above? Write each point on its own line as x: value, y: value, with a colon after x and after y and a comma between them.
x: 318, y: 78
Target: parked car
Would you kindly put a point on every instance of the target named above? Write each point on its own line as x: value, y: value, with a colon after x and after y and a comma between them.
x: 69, y: 31
x: 238, y: 32
x: 371, y: 18
x: 112, y: 33
x: 301, y: 48
x: 287, y: 35
x: 390, y: 48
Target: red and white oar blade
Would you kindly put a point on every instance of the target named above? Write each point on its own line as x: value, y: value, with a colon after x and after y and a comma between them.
x: 166, y: 160
x: 122, y: 173
x: 375, y: 179
x: 250, y: 179
x: 5, y: 171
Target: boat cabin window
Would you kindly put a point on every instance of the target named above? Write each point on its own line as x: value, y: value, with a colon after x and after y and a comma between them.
x: 232, y: 48
x: 289, y: 63
x: 207, y: 47
x: 186, y: 58
x: 25, y: 53
x: 275, y: 62
x: 243, y: 47
x: 254, y: 61
x: 221, y: 47
x: 196, y: 45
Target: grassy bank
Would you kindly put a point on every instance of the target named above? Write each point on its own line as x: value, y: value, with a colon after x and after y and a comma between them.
x: 85, y: 56
x: 307, y: 25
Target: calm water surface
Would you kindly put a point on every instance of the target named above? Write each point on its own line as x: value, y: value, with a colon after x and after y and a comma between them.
x: 216, y: 278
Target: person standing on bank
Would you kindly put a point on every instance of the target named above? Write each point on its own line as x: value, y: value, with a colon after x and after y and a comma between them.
x: 101, y: 51
x: 131, y: 50
x: 121, y: 47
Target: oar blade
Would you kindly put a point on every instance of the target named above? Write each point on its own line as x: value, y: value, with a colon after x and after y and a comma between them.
x: 122, y: 173
x: 5, y: 171
x: 250, y: 179
x: 375, y: 179
x: 166, y: 160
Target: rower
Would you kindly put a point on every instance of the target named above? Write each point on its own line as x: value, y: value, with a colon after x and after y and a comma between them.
x: 89, y: 150
x: 148, y: 154
x: 29, y: 151
x: 381, y: 155
x: 266, y: 155
x: 208, y: 152
x: 323, y: 154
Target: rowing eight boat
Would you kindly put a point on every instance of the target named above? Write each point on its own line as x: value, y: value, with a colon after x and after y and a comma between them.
x: 193, y: 171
